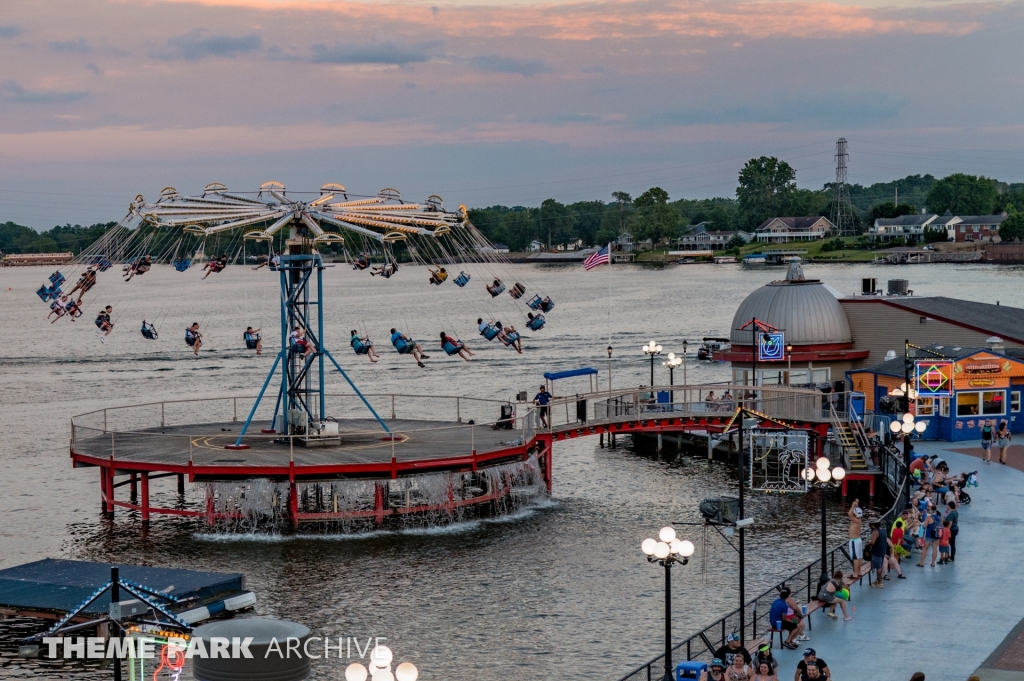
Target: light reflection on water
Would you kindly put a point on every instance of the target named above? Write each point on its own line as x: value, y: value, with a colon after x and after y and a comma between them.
x: 560, y: 589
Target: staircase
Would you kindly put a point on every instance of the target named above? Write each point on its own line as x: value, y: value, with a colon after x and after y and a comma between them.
x: 847, y: 439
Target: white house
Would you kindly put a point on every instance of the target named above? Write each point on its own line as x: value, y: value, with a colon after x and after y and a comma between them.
x: 783, y: 230
x: 536, y: 245
x: 624, y: 242
x: 906, y: 226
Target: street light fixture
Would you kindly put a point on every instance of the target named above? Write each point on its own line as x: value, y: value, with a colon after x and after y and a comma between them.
x: 380, y: 668
x: 823, y: 476
x: 667, y: 550
x: 652, y: 349
x: 609, y: 369
x: 672, y: 363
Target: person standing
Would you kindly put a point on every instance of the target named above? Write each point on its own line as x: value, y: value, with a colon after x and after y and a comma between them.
x: 944, y: 543
x: 1003, y: 438
x: 731, y: 650
x: 856, y: 545
x: 931, y: 525
x: 986, y: 440
x: 953, y: 516
x: 542, y: 399
x: 879, y: 547
x: 811, y: 659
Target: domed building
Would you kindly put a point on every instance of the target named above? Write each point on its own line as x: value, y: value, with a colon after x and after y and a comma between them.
x: 818, y: 343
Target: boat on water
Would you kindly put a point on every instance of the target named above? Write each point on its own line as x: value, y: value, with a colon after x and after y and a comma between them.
x: 755, y: 259
x: 725, y: 260
x: 709, y: 346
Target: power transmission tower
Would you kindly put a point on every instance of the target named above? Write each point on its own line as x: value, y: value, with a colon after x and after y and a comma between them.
x: 842, y: 209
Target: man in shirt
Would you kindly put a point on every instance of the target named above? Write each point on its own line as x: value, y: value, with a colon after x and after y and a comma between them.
x: 785, y: 615
x: 731, y: 649
x: 542, y: 399
x: 803, y: 672
x: 953, y: 516
x: 856, y: 545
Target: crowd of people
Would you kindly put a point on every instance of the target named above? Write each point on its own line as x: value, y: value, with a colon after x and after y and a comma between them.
x: 927, y: 527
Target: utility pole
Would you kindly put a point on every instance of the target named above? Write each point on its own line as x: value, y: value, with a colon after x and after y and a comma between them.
x: 842, y: 209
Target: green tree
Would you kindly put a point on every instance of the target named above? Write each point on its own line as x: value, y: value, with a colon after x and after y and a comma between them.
x: 587, y: 217
x: 520, y: 228
x: 556, y: 223
x: 934, y: 236
x: 890, y: 210
x: 655, y: 218
x: 766, y: 185
x: 962, y: 194
x: 736, y: 242
x: 1012, y: 228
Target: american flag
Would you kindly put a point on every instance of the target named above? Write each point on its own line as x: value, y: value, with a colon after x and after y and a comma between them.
x: 602, y: 257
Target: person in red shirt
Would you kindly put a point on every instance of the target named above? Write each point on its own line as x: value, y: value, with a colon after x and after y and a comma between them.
x: 944, y: 535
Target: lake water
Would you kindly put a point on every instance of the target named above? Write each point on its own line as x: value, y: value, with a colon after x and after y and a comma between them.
x: 559, y: 590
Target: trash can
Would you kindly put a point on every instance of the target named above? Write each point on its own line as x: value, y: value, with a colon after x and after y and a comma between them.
x: 690, y: 670
x: 581, y: 411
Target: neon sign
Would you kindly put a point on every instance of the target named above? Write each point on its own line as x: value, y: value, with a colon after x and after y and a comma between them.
x: 935, y: 378
x: 771, y: 347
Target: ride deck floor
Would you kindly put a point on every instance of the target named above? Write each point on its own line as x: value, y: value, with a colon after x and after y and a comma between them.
x: 361, y: 442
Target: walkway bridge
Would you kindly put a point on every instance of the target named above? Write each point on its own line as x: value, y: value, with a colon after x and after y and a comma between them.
x: 458, y: 437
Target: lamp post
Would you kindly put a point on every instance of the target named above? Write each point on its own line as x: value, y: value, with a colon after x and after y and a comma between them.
x: 789, y: 365
x: 672, y: 363
x: 609, y: 370
x: 652, y: 349
x: 906, y: 427
x: 380, y: 668
x: 684, y: 364
x: 823, y: 476
x: 667, y: 550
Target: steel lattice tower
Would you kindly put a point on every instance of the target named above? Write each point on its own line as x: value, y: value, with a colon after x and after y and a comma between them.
x: 842, y: 209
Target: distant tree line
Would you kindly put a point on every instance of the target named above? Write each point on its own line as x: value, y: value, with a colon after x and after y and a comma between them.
x: 766, y: 188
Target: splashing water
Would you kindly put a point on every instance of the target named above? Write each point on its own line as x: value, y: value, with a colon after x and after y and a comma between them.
x: 346, y: 506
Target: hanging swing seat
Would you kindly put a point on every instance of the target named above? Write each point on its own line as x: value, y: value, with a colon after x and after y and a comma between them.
x: 57, y: 278
x: 462, y: 279
x: 517, y: 291
x: 451, y: 349
x: 511, y: 338
x: 403, y: 347
x: 534, y: 303
x: 536, y: 323
x: 251, y: 340
x: 47, y: 293
x: 491, y: 332
x: 496, y: 289
x: 182, y: 264
x: 360, y: 347
x: 149, y: 332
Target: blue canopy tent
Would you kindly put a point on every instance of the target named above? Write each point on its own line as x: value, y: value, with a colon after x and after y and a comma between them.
x: 552, y: 376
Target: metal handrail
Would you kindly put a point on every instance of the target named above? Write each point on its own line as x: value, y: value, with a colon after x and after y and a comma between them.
x: 702, y: 644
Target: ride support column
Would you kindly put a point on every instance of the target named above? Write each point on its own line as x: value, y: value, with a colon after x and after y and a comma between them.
x: 145, y: 498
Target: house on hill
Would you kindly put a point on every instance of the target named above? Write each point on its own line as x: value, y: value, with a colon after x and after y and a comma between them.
x: 784, y: 230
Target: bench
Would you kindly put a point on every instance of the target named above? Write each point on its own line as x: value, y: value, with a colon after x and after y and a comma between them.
x: 848, y: 581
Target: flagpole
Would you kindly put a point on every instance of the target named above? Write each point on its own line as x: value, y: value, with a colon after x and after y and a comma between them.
x: 609, y: 321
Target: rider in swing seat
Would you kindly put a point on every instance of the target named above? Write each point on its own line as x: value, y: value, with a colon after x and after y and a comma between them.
x: 438, y: 276
x: 364, y: 346
x: 453, y: 346
x: 407, y: 346
x: 253, y: 340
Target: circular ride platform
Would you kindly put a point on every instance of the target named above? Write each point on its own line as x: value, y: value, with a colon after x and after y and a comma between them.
x: 416, y: 466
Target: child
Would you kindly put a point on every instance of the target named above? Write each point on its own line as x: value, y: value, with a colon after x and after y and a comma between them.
x: 944, y: 535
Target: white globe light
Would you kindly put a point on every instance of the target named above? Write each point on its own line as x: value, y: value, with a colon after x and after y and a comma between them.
x: 824, y: 475
x: 686, y: 548
x: 808, y: 474
x: 823, y: 462
x: 381, y: 656
x: 407, y: 672
x: 907, y: 418
x: 894, y: 426
x: 675, y: 545
x: 667, y: 534
x: 658, y: 349
x: 648, y: 546
x: 903, y: 387
x: 907, y: 427
x: 921, y: 426
x: 661, y: 550
x: 383, y: 675
x: 897, y: 393
x: 838, y: 473
x: 356, y: 672
x: 671, y: 356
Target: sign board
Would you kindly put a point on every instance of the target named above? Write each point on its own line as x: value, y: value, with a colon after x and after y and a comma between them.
x: 776, y: 459
x: 934, y: 378
x: 771, y: 347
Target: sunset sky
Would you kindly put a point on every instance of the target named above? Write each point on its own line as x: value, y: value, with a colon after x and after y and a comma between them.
x: 493, y: 102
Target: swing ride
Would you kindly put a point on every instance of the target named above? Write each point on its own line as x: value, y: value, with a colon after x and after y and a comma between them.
x: 444, y: 465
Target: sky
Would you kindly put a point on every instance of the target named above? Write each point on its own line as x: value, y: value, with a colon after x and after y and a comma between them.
x: 493, y: 102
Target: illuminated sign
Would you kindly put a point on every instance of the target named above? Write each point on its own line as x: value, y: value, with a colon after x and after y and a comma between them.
x: 981, y: 383
x: 772, y: 347
x: 935, y: 378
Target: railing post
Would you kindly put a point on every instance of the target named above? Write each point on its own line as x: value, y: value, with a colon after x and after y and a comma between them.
x: 163, y: 421
x: 458, y: 409
x: 392, y: 407
x: 234, y: 402
x: 104, y: 420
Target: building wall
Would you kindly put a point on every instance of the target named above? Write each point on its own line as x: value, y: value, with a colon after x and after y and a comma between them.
x: 877, y: 327
x: 1005, y: 253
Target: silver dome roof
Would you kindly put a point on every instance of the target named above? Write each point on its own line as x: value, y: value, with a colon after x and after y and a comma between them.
x: 805, y: 309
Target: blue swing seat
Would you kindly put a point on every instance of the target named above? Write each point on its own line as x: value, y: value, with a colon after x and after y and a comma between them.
x: 534, y: 303
x: 403, y: 347
x: 360, y: 347
x: 491, y: 332
x: 450, y: 349
x: 104, y: 264
x: 47, y: 293
x: 57, y: 278
x: 149, y: 333
x: 182, y: 264
x: 462, y: 279
x: 537, y: 323
x: 510, y: 338
x: 251, y: 340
